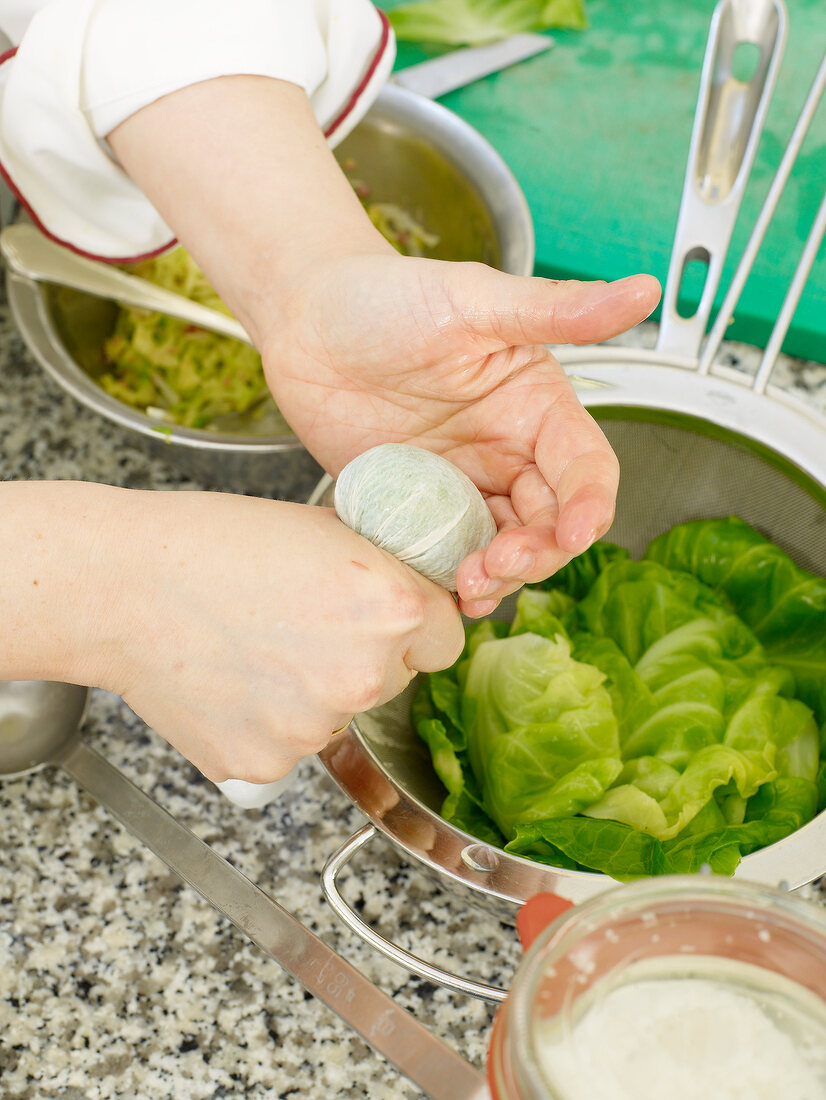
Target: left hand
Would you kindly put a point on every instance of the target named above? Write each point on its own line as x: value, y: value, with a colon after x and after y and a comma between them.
x: 451, y: 356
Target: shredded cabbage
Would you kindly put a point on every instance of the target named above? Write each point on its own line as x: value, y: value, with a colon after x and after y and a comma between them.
x: 170, y: 369
x: 476, y: 22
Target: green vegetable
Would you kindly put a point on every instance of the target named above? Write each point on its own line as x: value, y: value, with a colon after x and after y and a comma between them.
x: 641, y: 717
x: 473, y: 22
x: 542, y: 736
x: 417, y: 506
x: 173, y: 371
x: 783, y: 605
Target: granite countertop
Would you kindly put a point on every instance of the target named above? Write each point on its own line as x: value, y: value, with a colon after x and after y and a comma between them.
x: 118, y: 981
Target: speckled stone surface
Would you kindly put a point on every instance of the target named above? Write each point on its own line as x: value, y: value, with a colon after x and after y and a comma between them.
x: 116, y: 981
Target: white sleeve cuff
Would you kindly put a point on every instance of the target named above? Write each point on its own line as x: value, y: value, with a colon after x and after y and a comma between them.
x: 84, y: 66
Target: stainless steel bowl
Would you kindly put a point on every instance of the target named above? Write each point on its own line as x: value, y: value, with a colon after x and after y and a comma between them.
x: 409, y: 150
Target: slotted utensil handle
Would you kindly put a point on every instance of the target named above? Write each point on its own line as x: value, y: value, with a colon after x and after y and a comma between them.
x: 727, y: 125
x: 738, y: 282
x: 416, y: 1052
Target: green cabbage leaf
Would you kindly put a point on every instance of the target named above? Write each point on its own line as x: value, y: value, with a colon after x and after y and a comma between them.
x: 475, y: 22
x: 641, y: 717
x: 784, y: 605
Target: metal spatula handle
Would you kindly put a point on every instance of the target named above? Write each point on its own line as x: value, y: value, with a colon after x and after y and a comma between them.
x: 416, y: 1052
x: 727, y: 125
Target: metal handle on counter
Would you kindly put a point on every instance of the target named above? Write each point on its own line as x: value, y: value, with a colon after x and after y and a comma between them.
x: 390, y: 950
x: 416, y: 1052
x: 727, y: 125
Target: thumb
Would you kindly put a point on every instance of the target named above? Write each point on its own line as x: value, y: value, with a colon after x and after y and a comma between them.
x: 529, y: 310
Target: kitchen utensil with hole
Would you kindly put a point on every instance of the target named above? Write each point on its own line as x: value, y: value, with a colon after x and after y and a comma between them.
x: 695, y: 440
x: 40, y: 726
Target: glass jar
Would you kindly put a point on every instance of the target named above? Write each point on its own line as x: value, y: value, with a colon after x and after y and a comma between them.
x: 681, y: 987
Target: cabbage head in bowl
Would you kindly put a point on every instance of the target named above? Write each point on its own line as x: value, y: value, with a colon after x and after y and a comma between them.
x: 641, y: 717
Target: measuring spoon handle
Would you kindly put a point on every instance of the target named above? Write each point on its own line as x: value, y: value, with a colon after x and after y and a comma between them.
x: 416, y: 1052
x: 728, y: 122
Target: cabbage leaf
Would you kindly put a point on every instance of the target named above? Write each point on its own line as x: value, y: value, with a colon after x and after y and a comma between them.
x: 475, y: 22
x: 784, y: 605
x: 641, y: 717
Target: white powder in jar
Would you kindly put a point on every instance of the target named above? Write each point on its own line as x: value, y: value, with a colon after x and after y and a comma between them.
x: 727, y: 1031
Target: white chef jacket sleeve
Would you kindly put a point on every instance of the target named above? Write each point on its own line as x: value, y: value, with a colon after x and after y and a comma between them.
x: 83, y: 66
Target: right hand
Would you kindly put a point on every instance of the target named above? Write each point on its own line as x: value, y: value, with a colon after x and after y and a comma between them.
x: 245, y: 631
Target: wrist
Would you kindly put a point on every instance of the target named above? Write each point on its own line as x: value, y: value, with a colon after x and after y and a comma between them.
x: 239, y: 169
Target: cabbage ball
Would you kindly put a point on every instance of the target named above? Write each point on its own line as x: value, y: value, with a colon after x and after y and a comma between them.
x: 417, y: 506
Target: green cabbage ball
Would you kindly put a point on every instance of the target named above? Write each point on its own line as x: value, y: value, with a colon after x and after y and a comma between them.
x: 416, y: 505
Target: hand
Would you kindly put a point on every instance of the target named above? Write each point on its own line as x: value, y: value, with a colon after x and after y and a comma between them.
x: 244, y: 631
x: 378, y: 348
x: 279, y: 624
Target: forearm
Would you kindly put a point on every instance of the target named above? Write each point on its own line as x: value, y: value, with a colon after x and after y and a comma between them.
x: 58, y: 548
x: 239, y: 169
x: 243, y: 630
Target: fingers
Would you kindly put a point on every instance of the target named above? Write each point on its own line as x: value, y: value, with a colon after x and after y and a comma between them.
x: 529, y: 310
x: 532, y: 552
x: 521, y: 556
x: 421, y: 630
x: 557, y: 508
x: 519, y: 553
x: 578, y: 463
x: 587, y: 512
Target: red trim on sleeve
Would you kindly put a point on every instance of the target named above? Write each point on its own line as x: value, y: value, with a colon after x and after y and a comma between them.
x: 368, y: 76
x: 12, y: 186
x: 329, y: 131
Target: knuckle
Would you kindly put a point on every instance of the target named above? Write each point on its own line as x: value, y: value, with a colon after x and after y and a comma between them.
x: 367, y: 689
x: 406, y: 608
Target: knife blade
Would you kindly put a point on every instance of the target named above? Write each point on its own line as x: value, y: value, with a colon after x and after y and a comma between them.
x: 440, y: 75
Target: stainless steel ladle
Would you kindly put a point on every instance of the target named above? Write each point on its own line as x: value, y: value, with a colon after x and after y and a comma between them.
x: 40, y: 726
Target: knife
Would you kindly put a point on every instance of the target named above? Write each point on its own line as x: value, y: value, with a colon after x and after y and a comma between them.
x: 440, y: 75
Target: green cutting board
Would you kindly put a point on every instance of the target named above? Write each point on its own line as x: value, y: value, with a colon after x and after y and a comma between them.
x: 597, y: 132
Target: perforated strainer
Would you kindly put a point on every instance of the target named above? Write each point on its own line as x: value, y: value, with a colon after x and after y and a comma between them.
x: 694, y: 440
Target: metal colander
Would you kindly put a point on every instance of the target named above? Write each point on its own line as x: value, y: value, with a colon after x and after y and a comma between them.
x: 671, y: 473
x: 695, y: 440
